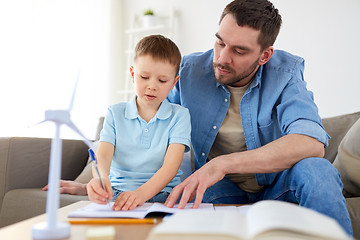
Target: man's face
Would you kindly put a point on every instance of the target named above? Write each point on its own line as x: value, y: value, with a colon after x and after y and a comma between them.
x: 236, y: 53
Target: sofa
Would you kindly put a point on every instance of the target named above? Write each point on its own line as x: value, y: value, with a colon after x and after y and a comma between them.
x: 24, y: 164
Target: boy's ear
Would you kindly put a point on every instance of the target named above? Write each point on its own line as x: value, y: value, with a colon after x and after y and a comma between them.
x: 132, y: 73
x: 176, y: 80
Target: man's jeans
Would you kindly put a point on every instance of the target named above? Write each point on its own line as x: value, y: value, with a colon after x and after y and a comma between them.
x: 313, y: 183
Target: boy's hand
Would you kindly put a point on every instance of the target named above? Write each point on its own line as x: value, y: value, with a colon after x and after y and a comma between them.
x: 128, y: 201
x: 96, y: 193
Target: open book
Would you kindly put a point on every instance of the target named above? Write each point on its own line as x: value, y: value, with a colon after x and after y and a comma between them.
x: 264, y: 220
x: 94, y: 210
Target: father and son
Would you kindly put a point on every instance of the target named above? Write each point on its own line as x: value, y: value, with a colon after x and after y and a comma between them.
x: 255, y: 130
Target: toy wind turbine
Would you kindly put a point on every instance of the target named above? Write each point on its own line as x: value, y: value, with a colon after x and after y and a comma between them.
x: 52, y: 229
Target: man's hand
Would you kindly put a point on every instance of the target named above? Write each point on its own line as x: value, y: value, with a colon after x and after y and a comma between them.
x: 196, y: 184
x: 128, y: 201
x: 71, y: 187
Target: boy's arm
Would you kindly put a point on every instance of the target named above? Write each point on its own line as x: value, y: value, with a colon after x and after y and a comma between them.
x: 166, y: 173
x: 161, y: 178
x: 104, y: 156
x: 95, y: 191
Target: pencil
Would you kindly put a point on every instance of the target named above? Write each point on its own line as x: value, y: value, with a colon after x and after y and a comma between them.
x: 112, y: 220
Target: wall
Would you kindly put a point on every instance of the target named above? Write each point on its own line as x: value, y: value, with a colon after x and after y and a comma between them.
x: 44, y: 43
x: 326, y: 33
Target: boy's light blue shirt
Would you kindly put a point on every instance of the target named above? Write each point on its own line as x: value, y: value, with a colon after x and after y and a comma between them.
x: 275, y: 104
x: 140, y: 147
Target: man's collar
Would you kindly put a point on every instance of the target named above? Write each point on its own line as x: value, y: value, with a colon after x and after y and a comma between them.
x: 257, y: 78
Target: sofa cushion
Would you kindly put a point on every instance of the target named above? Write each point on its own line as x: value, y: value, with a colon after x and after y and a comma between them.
x: 337, y: 127
x: 86, y: 175
x: 27, y: 158
x: 21, y: 204
x: 348, y: 161
x: 353, y: 206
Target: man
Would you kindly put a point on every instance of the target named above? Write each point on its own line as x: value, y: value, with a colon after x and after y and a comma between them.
x: 256, y: 132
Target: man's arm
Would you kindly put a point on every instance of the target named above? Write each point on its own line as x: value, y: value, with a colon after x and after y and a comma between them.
x: 276, y: 156
x: 71, y: 187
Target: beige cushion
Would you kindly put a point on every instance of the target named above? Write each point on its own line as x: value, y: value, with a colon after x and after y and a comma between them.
x: 348, y: 160
x: 337, y: 127
x: 353, y: 208
x: 20, y: 204
x: 86, y: 175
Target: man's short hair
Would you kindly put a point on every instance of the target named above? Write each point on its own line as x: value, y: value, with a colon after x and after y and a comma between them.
x: 159, y: 48
x: 258, y: 14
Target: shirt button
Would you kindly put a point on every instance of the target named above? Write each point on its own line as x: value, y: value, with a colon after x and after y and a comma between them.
x: 146, y: 130
x: 225, y: 99
x: 214, y: 127
x: 203, y: 154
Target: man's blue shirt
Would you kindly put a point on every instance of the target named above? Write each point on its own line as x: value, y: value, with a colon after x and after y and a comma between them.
x: 140, y: 146
x: 275, y: 104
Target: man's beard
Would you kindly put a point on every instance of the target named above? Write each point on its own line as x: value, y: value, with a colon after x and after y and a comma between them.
x: 236, y: 78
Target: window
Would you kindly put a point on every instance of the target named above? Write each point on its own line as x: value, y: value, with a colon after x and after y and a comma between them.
x: 44, y: 44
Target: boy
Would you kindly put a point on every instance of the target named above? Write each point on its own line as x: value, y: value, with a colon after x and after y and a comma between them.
x: 143, y: 141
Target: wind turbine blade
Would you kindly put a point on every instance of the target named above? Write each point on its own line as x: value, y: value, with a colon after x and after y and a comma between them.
x: 85, y: 140
x: 33, y: 125
x: 74, y: 92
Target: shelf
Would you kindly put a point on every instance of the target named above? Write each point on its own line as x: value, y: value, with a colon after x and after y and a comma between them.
x: 164, y: 25
x: 130, y: 91
x: 144, y: 30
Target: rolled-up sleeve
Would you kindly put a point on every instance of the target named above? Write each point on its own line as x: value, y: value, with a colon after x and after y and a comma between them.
x: 298, y: 113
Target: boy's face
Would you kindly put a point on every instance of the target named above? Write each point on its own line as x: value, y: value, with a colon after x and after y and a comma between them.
x: 153, y: 80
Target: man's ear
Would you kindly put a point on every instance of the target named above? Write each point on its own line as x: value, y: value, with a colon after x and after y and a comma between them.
x: 266, y: 55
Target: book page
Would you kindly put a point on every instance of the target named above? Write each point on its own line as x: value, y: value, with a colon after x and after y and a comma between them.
x: 94, y: 210
x: 278, y: 215
x: 241, y: 209
x: 225, y: 208
x: 160, y: 207
x: 207, y: 224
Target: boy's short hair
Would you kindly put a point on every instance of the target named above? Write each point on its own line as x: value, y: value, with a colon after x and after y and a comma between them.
x: 159, y: 48
x: 258, y: 14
